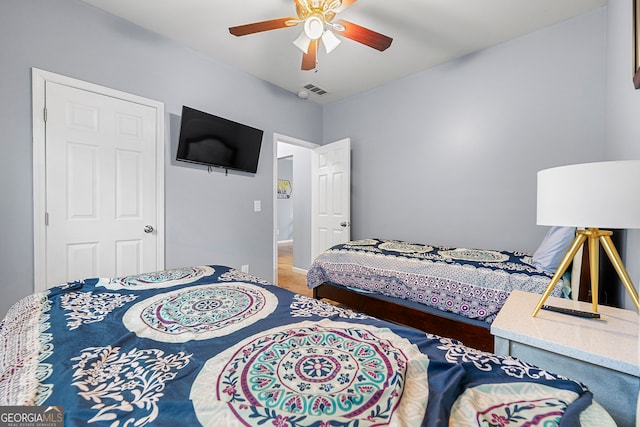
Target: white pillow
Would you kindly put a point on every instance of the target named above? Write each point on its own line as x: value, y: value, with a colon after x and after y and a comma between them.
x: 553, y: 248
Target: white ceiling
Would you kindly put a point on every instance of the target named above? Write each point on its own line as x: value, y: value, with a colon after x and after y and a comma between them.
x: 425, y: 33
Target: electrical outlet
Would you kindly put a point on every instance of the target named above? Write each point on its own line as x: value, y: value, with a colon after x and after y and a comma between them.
x: 244, y: 268
x: 257, y: 205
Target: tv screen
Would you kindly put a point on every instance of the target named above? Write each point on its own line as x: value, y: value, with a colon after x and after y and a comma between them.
x: 214, y: 141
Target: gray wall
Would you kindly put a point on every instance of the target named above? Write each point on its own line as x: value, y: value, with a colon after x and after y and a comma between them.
x: 285, y: 206
x: 209, y: 216
x: 449, y: 155
x: 622, y: 130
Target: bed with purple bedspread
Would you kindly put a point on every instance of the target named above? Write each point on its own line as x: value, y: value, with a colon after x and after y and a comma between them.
x: 473, y: 283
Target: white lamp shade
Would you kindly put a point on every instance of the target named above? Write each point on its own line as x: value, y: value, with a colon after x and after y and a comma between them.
x: 590, y: 195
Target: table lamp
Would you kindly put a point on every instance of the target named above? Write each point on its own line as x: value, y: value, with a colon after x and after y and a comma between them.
x: 591, y: 196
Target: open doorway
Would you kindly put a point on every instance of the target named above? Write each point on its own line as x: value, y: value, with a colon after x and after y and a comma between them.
x: 292, y: 216
x: 288, y: 276
x: 321, y: 199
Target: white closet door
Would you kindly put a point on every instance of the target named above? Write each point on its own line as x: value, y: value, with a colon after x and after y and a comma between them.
x: 101, y: 195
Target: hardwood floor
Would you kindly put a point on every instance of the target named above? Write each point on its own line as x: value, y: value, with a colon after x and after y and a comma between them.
x: 287, y: 278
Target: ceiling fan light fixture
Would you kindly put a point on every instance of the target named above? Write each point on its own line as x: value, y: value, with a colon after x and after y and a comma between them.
x: 316, y: 17
x: 314, y: 27
x: 330, y: 41
x: 303, y: 42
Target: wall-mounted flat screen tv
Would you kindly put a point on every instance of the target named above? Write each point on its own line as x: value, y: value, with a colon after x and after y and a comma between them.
x: 214, y: 141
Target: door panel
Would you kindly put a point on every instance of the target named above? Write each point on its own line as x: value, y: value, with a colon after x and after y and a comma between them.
x: 337, y: 193
x: 128, y: 257
x: 81, y: 165
x: 128, y: 185
x: 100, y: 185
x: 81, y: 259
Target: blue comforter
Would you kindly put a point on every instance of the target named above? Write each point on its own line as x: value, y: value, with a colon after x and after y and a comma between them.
x: 210, y: 345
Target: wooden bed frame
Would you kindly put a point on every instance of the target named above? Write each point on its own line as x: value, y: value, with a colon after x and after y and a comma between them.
x: 472, y: 335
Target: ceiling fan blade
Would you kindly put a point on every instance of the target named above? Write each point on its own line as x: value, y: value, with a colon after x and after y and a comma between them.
x: 345, y: 4
x: 365, y: 36
x: 309, y: 58
x: 257, y: 27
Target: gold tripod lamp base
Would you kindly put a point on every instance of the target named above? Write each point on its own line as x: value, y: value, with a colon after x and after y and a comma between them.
x: 594, y: 236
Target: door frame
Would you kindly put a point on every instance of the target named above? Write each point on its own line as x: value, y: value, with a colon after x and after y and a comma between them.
x: 293, y: 141
x: 39, y: 78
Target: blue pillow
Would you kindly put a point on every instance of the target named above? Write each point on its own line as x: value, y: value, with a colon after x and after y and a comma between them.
x: 553, y: 248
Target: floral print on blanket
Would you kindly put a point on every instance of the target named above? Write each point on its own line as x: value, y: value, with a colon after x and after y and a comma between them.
x: 85, y: 307
x: 302, y: 306
x: 456, y: 352
x: 117, y: 382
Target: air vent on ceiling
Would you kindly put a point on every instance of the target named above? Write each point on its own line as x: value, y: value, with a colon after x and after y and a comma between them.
x: 315, y: 89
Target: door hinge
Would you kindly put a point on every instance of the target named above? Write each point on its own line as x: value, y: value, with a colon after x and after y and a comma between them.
x: 46, y: 218
x: 44, y: 112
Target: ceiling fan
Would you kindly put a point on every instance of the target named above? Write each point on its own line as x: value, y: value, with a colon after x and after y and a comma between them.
x: 317, y: 19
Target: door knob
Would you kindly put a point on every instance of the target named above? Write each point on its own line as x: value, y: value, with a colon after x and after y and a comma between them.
x: 148, y: 229
x: 345, y: 224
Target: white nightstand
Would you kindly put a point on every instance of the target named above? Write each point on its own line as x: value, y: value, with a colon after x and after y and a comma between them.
x: 601, y: 353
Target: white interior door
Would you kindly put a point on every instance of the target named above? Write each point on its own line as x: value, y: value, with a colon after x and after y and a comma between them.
x: 331, y: 195
x: 103, y: 204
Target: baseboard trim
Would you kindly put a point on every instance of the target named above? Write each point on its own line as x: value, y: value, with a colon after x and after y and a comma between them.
x: 299, y: 270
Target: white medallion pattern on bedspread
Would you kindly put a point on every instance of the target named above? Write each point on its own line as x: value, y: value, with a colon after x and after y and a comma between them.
x: 157, y: 279
x: 314, y: 370
x: 199, y: 312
